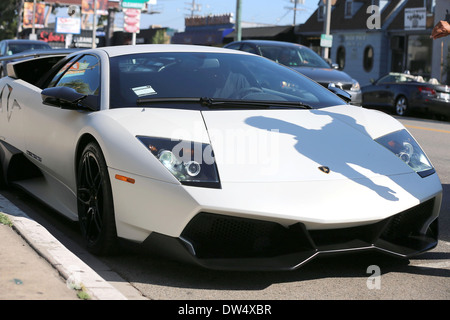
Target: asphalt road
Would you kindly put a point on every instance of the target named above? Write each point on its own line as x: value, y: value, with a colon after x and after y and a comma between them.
x: 366, y: 276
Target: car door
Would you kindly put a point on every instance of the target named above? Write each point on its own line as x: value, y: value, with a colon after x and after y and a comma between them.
x: 378, y: 93
x: 51, y: 132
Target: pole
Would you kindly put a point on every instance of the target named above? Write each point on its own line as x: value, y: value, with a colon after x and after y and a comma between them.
x: 295, y: 10
x: 327, y: 28
x: 238, y: 35
x: 94, y: 26
x: 33, y: 29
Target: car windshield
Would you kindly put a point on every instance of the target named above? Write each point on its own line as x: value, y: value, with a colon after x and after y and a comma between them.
x: 296, y: 56
x: 14, y: 48
x: 165, y: 76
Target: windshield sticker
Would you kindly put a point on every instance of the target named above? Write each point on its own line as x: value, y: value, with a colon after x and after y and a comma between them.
x: 144, y: 91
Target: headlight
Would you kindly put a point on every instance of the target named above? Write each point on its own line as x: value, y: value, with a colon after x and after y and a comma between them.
x: 192, y: 163
x: 403, y: 145
x: 355, y: 85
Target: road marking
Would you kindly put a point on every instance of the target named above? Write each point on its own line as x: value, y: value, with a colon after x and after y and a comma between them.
x: 436, y: 264
x: 428, y: 129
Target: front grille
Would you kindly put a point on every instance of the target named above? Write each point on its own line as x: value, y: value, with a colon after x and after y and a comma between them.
x: 216, y: 236
x: 343, y: 86
x: 409, y: 222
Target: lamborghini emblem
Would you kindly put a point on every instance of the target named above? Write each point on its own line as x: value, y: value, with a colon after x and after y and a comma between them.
x: 324, y: 169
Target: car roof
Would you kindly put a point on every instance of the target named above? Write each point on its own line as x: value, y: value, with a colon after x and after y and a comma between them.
x: 270, y: 42
x: 24, y: 41
x: 142, y: 48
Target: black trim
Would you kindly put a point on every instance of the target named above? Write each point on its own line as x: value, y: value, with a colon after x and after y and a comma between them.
x: 426, y: 173
x: 15, y: 165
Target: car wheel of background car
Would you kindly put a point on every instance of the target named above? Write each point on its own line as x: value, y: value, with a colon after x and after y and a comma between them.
x: 95, y: 203
x: 401, y: 106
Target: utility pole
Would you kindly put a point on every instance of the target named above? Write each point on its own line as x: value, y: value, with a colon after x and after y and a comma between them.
x: 295, y: 9
x: 194, y: 7
x: 238, y: 35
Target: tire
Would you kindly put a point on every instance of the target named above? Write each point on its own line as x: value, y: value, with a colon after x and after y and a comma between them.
x: 401, y: 106
x: 95, y: 202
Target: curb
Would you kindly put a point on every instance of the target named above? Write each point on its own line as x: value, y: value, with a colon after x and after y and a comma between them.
x: 72, y: 268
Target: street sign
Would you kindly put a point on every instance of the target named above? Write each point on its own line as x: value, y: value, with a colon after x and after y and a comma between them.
x: 133, y: 4
x: 326, y: 40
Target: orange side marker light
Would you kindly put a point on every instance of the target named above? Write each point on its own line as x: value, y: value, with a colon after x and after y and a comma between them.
x: 125, y: 179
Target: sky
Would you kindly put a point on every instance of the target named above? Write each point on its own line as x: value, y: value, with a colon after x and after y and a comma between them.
x: 275, y: 12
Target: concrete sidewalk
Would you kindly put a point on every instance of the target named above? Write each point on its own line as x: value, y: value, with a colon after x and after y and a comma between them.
x: 36, y: 266
x: 25, y: 275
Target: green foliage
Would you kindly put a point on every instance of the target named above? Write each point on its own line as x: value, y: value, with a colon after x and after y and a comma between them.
x: 5, y: 220
x: 9, y: 13
x: 159, y: 37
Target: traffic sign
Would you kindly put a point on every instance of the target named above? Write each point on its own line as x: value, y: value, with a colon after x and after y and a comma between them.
x: 133, y: 4
x: 326, y: 40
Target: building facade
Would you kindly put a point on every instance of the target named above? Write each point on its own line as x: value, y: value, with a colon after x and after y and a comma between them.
x: 374, y: 37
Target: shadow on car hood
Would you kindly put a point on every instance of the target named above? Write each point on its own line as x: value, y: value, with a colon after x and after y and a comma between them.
x: 295, y: 145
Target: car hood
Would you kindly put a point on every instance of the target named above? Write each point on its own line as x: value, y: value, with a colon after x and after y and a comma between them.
x: 294, y: 145
x: 280, y: 145
x: 324, y: 75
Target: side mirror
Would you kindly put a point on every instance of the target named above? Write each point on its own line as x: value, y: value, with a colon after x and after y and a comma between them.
x: 68, y: 98
x: 344, y: 95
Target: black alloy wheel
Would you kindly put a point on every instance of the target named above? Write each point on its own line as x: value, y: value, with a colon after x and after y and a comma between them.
x: 95, y: 202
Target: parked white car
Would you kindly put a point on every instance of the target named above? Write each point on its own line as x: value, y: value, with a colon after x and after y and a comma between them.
x: 224, y: 158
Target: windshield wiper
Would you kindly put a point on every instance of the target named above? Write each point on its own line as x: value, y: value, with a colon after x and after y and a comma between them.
x: 264, y: 104
x: 224, y: 103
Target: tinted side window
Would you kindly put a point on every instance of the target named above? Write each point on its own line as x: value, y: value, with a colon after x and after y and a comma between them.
x: 83, y: 76
x: 386, y: 79
x: 234, y: 46
x: 60, y: 72
x: 248, y: 48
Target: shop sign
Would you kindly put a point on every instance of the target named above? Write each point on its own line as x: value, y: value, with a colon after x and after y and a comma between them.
x: 415, y: 18
x: 68, y: 25
x: 132, y: 20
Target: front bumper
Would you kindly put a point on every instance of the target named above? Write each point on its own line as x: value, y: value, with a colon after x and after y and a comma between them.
x: 356, y: 97
x: 230, y: 243
x: 267, y: 226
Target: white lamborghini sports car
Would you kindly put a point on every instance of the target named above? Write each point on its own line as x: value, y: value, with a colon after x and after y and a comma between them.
x: 215, y: 156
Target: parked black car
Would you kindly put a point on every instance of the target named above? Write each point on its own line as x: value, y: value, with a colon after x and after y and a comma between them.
x: 404, y: 94
x: 303, y: 60
x: 13, y: 46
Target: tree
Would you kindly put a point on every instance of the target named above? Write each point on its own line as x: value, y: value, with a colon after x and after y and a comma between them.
x: 10, y: 10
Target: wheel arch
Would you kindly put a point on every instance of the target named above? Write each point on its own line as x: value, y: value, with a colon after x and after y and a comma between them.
x: 84, y: 140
